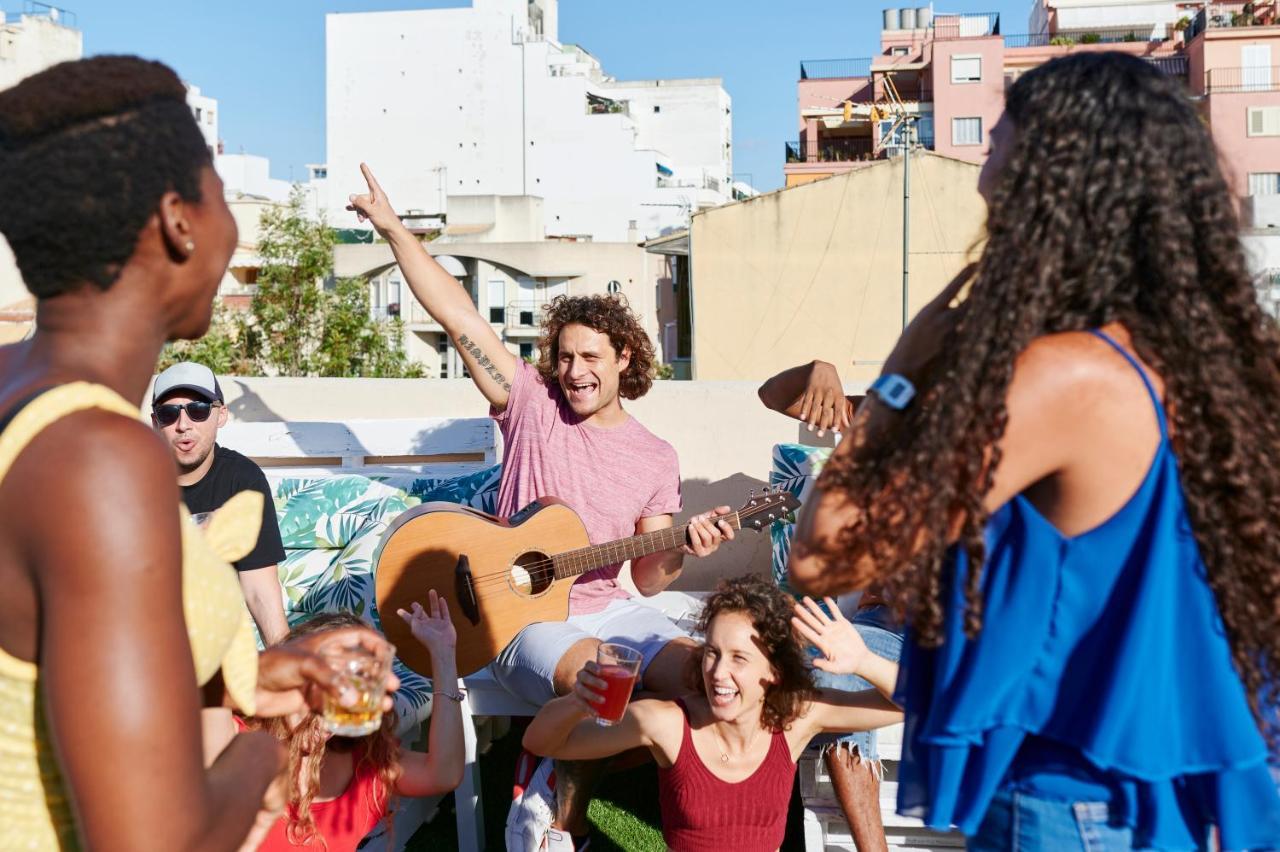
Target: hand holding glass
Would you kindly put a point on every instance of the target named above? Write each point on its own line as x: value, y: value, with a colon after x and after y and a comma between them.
x: 618, y: 666
x: 362, y: 672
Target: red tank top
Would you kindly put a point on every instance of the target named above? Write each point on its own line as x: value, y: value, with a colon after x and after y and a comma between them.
x: 702, y: 813
x: 342, y: 822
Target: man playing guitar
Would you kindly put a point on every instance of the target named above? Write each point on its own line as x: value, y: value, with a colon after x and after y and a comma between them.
x: 566, y: 435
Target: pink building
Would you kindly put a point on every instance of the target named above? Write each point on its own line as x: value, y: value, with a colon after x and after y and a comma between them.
x: 950, y: 72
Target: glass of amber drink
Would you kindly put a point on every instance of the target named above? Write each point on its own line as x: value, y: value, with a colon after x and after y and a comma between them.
x: 618, y: 666
x: 364, y: 672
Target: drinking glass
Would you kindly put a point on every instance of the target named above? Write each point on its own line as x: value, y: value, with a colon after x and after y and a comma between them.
x: 363, y: 671
x: 618, y: 666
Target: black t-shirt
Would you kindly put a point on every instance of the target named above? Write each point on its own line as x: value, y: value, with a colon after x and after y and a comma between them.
x: 230, y: 474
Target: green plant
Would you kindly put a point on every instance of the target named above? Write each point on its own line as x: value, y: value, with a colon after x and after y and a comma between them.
x: 1090, y: 38
x: 1182, y: 24
x: 297, y: 327
x: 220, y: 349
x: 664, y: 371
x: 1062, y: 41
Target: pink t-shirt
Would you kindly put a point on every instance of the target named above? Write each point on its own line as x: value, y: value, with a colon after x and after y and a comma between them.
x: 610, y: 477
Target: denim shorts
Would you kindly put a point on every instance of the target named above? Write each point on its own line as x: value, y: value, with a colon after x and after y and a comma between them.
x: 883, y: 636
x: 1020, y: 822
x: 527, y: 666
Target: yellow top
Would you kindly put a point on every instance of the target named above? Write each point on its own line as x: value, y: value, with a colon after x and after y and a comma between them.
x: 35, y: 812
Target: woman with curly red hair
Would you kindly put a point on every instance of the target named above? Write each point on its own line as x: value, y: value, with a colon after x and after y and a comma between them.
x: 727, y: 753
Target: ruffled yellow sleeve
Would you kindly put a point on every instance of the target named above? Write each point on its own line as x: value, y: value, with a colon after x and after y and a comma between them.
x: 218, y: 622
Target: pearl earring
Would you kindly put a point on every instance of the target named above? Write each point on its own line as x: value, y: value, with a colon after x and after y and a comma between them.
x: 190, y: 246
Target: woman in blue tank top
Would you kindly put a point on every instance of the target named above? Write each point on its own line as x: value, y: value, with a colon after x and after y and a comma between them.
x: 1077, y: 510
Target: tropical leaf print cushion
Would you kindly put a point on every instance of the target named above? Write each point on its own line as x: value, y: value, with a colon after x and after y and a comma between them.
x: 795, y: 468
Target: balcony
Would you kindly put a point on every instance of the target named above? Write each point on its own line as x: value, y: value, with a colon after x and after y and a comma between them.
x: 1261, y: 78
x: 523, y: 319
x: 966, y: 25
x: 837, y: 150
x: 835, y: 69
x: 1225, y: 19
x: 1070, y: 38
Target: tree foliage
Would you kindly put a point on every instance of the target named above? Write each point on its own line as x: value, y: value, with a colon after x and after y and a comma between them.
x: 301, y: 321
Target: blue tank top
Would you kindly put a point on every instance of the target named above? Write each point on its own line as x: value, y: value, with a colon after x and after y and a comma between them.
x: 1103, y: 662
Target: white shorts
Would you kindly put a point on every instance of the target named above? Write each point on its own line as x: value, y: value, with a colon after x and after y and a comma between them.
x: 527, y: 666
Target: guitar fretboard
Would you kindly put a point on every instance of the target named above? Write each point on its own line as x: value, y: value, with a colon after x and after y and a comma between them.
x: 574, y: 562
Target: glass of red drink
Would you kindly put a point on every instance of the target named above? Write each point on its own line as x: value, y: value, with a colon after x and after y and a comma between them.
x: 618, y: 666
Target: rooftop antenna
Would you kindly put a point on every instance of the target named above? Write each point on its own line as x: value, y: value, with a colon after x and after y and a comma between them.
x: 906, y: 122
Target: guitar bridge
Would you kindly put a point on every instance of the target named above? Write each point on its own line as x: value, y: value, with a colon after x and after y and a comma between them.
x: 465, y: 590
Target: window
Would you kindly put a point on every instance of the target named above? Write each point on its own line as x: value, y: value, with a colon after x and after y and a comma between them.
x: 497, y: 296
x: 1264, y: 121
x: 966, y: 131
x: 1264, y: 183
x: 656, y: 108
x: 898, y: 51
x: 393, y: 291
x: 966, y: 69
x: 198, y: 112
x: 526, y: 351
x: 375, y: 295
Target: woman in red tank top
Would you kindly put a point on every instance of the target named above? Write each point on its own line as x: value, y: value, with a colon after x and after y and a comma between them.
x: 341, y: 787
x: 727, y: 753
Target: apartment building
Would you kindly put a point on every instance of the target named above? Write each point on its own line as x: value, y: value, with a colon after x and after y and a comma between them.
x: 949, y: 72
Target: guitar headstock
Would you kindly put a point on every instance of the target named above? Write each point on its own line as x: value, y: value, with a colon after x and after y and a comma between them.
x: 764, y: 508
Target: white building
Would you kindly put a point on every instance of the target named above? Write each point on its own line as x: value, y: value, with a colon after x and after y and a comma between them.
x: 486, y: 101
x: 205, y: 110
x: 33, y: 40
x: 30, y: 42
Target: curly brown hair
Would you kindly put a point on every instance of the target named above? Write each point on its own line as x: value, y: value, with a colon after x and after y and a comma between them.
x: 1111, y: 208
x: 609, y: 315
x: 770, y: 610
x: 308, y: 743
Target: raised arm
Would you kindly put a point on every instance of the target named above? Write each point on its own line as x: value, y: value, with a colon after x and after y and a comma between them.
x: 491, y: 365
x: 115, y: 662
x: 440, y: 769
x: 843, y: 651
x: 813, y: 394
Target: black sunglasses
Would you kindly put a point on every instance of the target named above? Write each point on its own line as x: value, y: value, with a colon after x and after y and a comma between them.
x: 197, y: 410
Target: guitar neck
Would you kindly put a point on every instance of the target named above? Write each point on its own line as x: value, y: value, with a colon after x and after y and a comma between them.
x: 571, y: 563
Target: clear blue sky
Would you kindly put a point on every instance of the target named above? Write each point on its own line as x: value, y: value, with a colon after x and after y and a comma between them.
x: 264, y: 60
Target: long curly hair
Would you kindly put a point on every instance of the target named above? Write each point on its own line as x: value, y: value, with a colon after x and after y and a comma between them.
x: 308, y: 743
x: 1111, y: 208
x: 770, y: 610
x: 609, y: 315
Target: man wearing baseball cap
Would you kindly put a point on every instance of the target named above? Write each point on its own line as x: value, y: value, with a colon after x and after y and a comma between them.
x: 187, y: 408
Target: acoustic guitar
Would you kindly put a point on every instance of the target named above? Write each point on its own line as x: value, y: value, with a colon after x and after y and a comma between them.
x: 499, y: 576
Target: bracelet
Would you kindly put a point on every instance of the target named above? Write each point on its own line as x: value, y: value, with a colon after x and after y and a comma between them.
x: 454, y: 696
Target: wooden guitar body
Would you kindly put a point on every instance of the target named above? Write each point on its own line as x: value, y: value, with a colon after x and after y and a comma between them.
x: 496, y: 575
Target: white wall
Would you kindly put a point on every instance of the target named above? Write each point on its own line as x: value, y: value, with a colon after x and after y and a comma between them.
x: 467, y: 101
x: 1114, y: 14
x: 32, y: 44
x: 248, y: 174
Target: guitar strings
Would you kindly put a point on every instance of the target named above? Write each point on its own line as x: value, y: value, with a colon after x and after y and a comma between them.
x: 542, y: 569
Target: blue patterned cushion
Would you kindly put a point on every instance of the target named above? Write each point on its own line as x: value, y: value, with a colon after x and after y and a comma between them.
x: 331, y: 527
x: 795, y: 468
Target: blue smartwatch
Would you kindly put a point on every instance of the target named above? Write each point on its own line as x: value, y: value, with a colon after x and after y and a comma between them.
x: 894, y: 390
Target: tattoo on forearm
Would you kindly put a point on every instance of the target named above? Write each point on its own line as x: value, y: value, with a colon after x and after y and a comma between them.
x: 470, y: 346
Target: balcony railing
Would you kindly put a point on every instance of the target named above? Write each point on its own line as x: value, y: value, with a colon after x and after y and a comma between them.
x: 1068, y: 38
x: 524, y: 314
x: 1226, y: 19
x: 1261, y: 78
x: 1174, y: 66
x: 835, y: 69
x: 837, y: 150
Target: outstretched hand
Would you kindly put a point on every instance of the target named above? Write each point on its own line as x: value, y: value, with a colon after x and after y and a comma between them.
x: 824, y: 405
x: 432, y: 626
x: 374, y: 205
x: 843, y: 651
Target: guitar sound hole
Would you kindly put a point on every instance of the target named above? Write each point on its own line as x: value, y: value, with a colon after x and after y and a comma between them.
x: 532, y: 574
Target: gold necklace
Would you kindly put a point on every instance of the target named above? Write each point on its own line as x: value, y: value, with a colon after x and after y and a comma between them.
x: 724, y: 752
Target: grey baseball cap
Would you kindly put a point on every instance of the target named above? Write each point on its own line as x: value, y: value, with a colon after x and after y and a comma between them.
x: 189, y: 376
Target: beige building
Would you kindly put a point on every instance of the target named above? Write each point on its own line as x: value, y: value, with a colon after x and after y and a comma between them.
x: 815, y: 271
x: 496, y: 248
